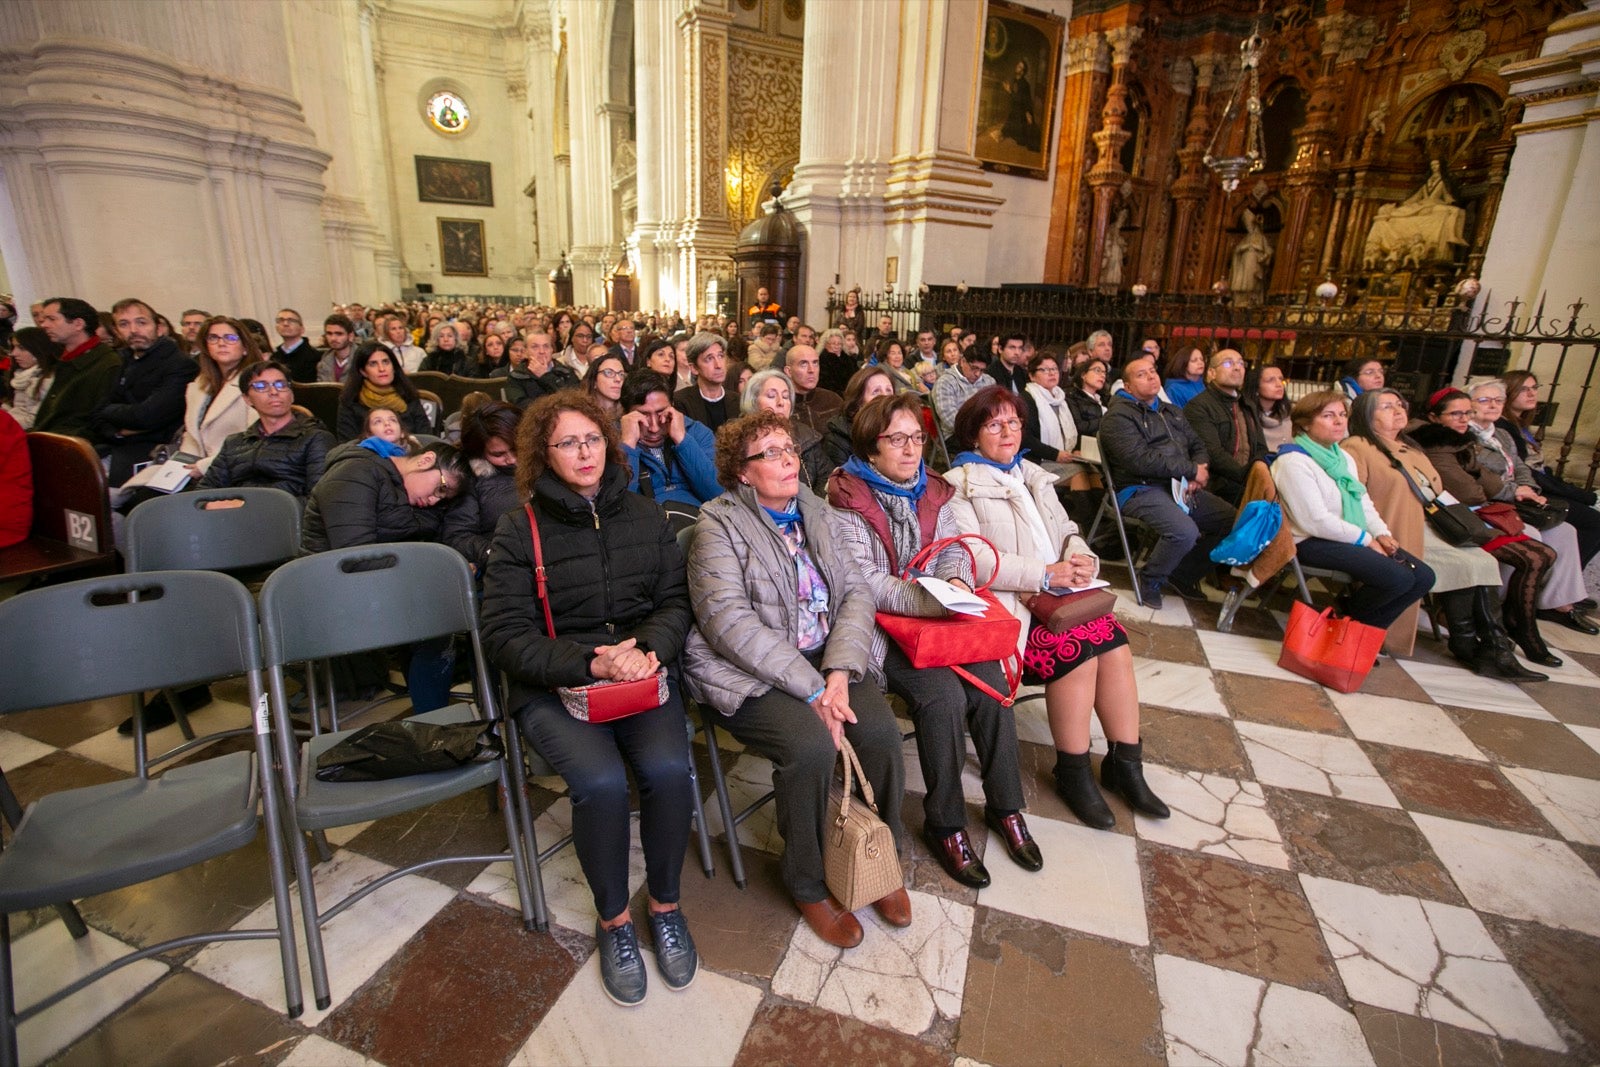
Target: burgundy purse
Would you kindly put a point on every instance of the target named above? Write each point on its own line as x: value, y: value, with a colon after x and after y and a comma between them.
x: 602, y: 701
x: 1060, y: 612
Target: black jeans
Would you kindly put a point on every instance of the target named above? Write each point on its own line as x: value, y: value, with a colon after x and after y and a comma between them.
x: 1388, y: 585
x: 945, y: 707
x: 786, y: 731
x: 594, y: 758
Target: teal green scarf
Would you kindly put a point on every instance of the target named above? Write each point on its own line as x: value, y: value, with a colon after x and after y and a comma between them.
x: 1333, y: 463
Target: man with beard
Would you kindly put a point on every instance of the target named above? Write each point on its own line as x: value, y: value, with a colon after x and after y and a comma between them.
x: 145, y: 407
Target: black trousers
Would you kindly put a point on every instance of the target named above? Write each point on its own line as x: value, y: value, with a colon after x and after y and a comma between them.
x: 594, y: 759
x: 945, y: 707
x: 786, y: 731
x: 1389, y: 585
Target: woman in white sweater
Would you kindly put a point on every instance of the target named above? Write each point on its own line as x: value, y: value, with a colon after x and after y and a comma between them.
x: 1334, y: 521
x: 1088, y: 668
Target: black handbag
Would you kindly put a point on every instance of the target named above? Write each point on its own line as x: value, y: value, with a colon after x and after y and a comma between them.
x: 405, y: 747
x: 1543, y: 516
x: 1456, y: 524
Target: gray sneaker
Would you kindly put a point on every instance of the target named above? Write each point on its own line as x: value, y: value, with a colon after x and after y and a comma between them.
x: 675, y: 954
x: 621, y: 966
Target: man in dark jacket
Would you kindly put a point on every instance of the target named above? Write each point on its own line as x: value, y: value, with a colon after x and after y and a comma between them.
x: 281, y: 450
x: 708, y: 400
x: 145, y: 408
x: 296, y: 353
x: 1229, y: 430
x: 539, y: 374
x: 86, y: 371
x: 1148, y: 445
x: 1011, y: 371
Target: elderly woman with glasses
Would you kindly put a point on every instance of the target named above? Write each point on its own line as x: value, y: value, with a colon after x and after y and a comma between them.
x: 773, y: 390
x: 783, y: 653
x: 1088, y: 668
x: 894, y: 507
x: 618, y: 610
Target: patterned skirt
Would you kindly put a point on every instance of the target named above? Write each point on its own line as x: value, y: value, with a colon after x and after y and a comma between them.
x: 1047, y: 656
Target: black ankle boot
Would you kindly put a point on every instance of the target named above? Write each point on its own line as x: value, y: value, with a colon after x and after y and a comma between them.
x: 1075, y: 785
x: 1122, y: 772
x: 1463, y: 642
x: 1524, y: 630
x: 1498, y: 658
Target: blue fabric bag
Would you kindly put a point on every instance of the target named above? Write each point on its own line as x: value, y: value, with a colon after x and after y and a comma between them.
x: 1254, y: 530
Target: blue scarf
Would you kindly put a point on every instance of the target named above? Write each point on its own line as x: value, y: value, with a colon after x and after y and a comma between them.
x: 1153, y: 405
x: 974, y: 457
x: 786, y: 519
x: 1355, y: 390
x: 387, y: 449
x: 862, y: 469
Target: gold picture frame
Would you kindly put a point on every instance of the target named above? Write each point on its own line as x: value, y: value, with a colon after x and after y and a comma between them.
x: 1017, y: 89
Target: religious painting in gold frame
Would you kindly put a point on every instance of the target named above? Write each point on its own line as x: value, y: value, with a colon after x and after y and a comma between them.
x: 1017, y: 89
x: 461, y: 248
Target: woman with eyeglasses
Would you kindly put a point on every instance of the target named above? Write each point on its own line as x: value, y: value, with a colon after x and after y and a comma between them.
x: 773, y: 390
x: 1466, y: 465
x: 783, y: 653
x: 213, y: 406
x: 1516, y: 419
x: 893, y: 507
x: 376, y: 380
x: 576, y: 353
x: 619, y: 611
x: 603, y: 385
x: 1398, y: 476
x: 1086, y: 399
x: 1089, y: 668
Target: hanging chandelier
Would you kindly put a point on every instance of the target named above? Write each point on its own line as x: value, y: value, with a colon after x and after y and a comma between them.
x: 1231, y: 169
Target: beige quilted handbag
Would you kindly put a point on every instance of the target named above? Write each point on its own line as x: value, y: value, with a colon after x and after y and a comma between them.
x: 859, y: 861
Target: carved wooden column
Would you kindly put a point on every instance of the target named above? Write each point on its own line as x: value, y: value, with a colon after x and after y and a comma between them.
x: 1189, y: 191
x: 1310, y: 176
x: 1088, y: 65
x: 1107, y: 175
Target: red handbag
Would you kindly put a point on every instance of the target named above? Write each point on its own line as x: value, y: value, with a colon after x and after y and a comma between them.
x: 960, y: 639
x: 1328, y: 648
x: 602, y: 701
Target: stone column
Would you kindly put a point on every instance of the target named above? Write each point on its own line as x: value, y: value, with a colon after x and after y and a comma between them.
x: 706, y: 236
x: 539, y: 143
x: 594, y: 241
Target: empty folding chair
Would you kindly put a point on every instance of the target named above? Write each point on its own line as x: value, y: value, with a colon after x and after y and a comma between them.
x: 106, y: 637
x: 353, y: 600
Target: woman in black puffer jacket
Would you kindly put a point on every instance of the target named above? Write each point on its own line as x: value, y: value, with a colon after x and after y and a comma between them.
x: 619, y: 603
x: 489, y: 443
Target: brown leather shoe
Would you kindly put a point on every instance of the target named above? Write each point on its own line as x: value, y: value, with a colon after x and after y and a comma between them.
x: 829, y: 921
x: 1019, y: 843
x: 895, y: 909
x: 958, y: 858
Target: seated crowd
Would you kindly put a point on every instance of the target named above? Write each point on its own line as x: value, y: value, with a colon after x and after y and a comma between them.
x: 798, y: 471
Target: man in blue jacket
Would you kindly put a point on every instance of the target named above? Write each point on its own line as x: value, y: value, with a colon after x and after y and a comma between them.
x: 672, y: 456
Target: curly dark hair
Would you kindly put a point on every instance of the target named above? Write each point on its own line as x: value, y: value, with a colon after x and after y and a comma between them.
x: 982, y: 406
x: 873, y: 420
x: 736, y: 437
x: 539, y: 422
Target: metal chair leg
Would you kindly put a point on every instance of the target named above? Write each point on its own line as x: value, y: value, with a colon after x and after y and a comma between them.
x: 179, y: 713
x: 720, y: 784
x: 11, y: 809
x: 702, y: 834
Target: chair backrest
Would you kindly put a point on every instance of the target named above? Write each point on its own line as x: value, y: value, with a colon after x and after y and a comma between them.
x: 371, y: 596
x: 322, y: 400
x: 259, y: 528
x: 433, y: 406
x: 434, y: 381
x: 70, y: 499
x: 103, y: 637
x: 685, y: 537
x: 458, y: 386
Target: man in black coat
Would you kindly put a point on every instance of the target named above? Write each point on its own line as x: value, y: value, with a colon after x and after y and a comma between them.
x: 281, y: 450
x: 708, y: 400
x: 1011, y: 371
x: 1147, y: 445
x: 145, y: 407
x: 1229, y: 430
x: 296, y: 353
x: 539, y: 374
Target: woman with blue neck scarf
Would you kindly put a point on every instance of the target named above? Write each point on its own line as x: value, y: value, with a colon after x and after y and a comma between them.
x: 1334, y: 521
x: 783, y: 651
x: 1012, y: 501
x: 893, y: 506
x: 1361, y: 374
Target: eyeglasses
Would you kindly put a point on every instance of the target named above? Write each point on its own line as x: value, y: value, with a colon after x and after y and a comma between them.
x: 1530, y: 389
x: 277, y: 385
x: 1462, y: 414
x: 774, y: 453
x: 900, y: 440
x: 609, y: 372
x: 215, y: 337
x: 998, y: 426
x: 592, y: 442
x: 1231, y: 364
x: 1490, y: 399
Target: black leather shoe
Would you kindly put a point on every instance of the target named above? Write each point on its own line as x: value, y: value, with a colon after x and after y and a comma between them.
x: 1188, y: 590
x: 958, y: 858
x: 1570, y: 619
x: 1020, y: 845
x: 676, y: 957
x: 1150, y: 593
x: 621, y: 964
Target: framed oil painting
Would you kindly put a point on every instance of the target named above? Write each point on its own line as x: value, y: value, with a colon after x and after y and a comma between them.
x: 454, y: 181
x: 1017, y: 89
x: 461, y: 247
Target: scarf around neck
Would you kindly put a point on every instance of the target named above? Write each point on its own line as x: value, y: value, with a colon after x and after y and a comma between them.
x: 1331, y: 459
x: 1056, y: 427
x: 975, y: 457
x: 373, y: 397
x: 899, y: 502
x: 387, y: 449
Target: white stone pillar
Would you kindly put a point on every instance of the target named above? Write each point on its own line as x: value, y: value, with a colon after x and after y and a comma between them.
x: 706, y: 236
x: 655, y: 77
x: 539, y: 67
x: 594, y: 243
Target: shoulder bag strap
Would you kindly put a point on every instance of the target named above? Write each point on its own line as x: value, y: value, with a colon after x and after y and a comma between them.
x: 543, y: 591
x: 1415, y: 491
x: 847, y: 753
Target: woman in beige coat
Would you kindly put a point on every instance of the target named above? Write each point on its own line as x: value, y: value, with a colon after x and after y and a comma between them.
x: 213, y: 406
x: 1013, y: 503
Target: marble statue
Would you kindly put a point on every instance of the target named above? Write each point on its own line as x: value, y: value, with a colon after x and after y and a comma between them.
x: 1116, y: 251
x: 1251, y: 257
x: 1424, y: 228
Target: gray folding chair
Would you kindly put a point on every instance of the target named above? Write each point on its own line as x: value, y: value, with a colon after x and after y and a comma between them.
x: 1108, y: 503
x: 253, y: 530
x: 352, y: 600
x: 1269, y: 589
x: 106, y: 637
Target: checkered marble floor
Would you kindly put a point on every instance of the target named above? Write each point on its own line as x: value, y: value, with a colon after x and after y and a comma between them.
x: 1403, y: 875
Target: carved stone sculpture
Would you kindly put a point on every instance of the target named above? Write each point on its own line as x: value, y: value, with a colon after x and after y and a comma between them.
x: 1251, y: 258
x: 1424, y: 228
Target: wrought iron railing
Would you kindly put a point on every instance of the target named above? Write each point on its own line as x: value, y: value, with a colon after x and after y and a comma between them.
x: 1424, y: 347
